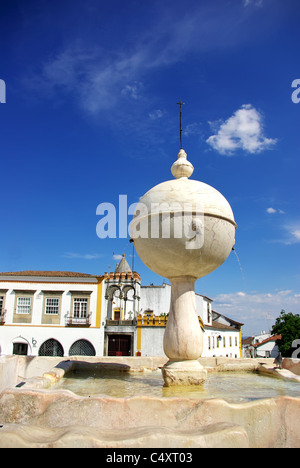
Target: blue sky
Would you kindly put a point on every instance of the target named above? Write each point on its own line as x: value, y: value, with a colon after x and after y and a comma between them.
x: 90, y: 113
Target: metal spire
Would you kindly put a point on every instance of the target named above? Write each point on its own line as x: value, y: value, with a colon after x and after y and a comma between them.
x: 180, y: 103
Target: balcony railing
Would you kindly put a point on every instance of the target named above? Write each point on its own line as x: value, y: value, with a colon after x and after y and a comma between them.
x: 118, y: 323
x: 78, y: 321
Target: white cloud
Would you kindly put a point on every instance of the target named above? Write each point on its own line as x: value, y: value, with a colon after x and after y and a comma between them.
x: 156, y: 114
x: 133, y: 90
x: 252, y: 2
x: 258, y: 311
x: 81, y: 256
x: 296, y: 235
x: 274, y: 210
x: 98, y: 75
x: 291, y: 234
x: 117, y: 257
x: 242, y: 131
x: 194, y: 128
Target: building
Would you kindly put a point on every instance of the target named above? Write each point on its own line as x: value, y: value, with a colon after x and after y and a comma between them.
x: 262, y: 345
x: 223, y: 337
x: 59, y: 313
x: 267, y: 348
x: 50, y: 313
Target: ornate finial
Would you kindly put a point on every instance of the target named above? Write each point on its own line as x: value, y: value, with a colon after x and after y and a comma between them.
x: 180, y: 103
x: 182, y: 167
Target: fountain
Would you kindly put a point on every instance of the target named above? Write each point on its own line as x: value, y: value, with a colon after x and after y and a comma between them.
x: 121, y: 403
x: 182, y: 230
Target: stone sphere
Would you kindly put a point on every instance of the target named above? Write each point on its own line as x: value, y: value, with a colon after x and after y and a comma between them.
x: 183, y: 227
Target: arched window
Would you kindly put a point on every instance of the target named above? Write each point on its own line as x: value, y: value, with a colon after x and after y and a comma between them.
x: 51, y: 348
x: 82, y: 348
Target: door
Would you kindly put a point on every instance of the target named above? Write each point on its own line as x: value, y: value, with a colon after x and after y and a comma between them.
x: 119, y: 345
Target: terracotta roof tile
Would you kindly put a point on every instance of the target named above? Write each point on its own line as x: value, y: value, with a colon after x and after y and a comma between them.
x: 272, y: 338
x: 69, y: 274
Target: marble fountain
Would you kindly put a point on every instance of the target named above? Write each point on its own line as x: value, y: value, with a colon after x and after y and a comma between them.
x: 38, y: 410
x: 182, y: 229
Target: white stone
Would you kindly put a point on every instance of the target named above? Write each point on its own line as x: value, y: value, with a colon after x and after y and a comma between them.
x: 189, y: 372
x: 183, y: 338
x: 183, y: 230
x: 170, y: 257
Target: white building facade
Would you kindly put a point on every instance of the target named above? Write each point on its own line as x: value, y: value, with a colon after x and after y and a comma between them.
x: 50, y: 313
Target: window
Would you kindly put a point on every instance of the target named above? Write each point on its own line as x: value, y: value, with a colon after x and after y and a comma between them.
x: 20, y: 349
x: 230, y: 341
x: 117, y: 314
x: 52, y: 305
x: 80, y: 307
x: 82, y: 348
x: 208, y: 313
x: 2, y: 304
x: 23, y: 305
x: 2, y: 311
x: 209, y: 347
x: 224, y: 341
x: 236, y: 341
x: 51, y: 348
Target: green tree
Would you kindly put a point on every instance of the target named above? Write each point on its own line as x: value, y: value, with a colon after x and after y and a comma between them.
x: 288, y: 326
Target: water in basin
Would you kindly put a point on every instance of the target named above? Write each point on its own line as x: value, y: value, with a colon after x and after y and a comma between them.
x: 234, y: 387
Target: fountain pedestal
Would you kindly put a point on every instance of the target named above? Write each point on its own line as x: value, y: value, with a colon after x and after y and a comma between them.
x: 183, y: 338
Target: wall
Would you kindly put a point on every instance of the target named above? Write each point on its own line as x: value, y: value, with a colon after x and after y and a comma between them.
x: 269, y: 347
x: 38, y: 298
x: 157, y: 298
x: 152, y: 341
x: 230, y: 351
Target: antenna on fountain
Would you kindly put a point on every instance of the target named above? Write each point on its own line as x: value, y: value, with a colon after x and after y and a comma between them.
x: 132, y: 269
x: 180, y: 103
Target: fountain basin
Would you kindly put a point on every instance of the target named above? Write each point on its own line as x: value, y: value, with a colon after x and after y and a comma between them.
x: 49, y: 417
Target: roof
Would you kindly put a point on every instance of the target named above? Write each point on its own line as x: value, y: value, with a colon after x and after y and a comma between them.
x: 247, y: 341
x: 228, y: 318
x: 272, y: 338
x: 123, y: 266
x: 220, y: 326
x: 64, y: 274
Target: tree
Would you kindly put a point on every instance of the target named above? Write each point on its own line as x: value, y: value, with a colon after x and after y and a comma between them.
x: 288, y: 326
